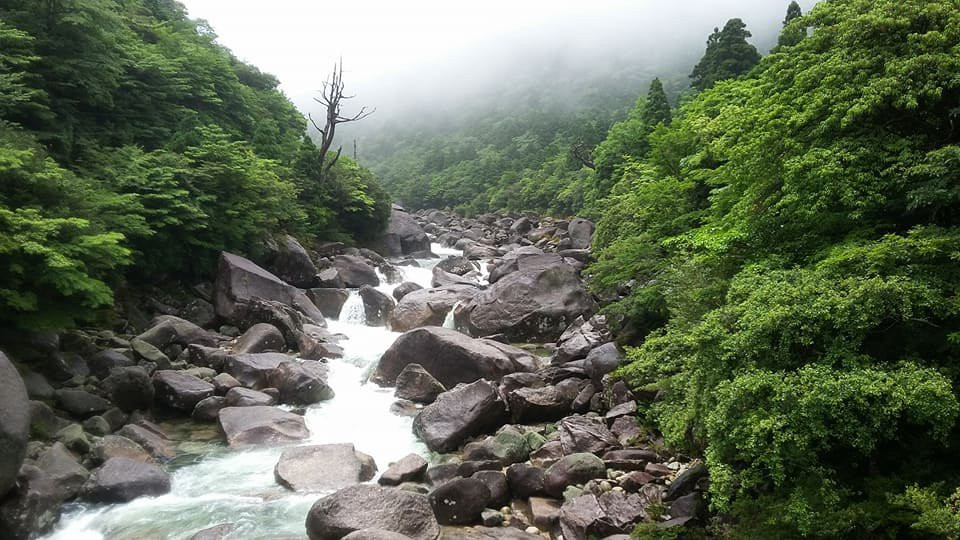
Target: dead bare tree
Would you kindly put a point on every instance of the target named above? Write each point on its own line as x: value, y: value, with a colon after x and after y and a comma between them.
x: 583, y: 153
x: 331, y: 97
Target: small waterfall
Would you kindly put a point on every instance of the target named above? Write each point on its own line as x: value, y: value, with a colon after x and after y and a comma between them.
x: 449, y: 322
x: 353, y: 311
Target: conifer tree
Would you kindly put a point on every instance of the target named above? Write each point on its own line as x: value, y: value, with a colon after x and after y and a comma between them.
x: 728, y: 55
x: 657, y: 110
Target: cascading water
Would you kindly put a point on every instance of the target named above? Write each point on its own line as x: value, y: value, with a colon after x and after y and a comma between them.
x: 212, y: 484
x: 448, y: 321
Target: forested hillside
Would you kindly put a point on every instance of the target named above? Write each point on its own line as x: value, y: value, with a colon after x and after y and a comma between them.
x: 786, y: 255
x: 132, y: 145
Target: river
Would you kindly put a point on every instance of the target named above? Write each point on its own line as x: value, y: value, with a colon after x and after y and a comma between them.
x: 213, y: 484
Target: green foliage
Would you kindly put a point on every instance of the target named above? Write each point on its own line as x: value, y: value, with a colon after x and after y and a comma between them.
x: 132, y: 145
x: 936, y: 515
x: 728, y: 55
x: 657, y: 110
x: 787, y: 250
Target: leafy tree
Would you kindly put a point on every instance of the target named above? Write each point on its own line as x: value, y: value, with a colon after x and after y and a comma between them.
x: 728, y: 55
x: 793, y: 12
x: 791, y: 33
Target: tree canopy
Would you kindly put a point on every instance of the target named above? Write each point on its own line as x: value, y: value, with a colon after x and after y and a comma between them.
x: 728, y: 55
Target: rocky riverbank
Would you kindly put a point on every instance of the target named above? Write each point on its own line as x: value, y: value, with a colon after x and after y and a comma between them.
x: 502, y: 362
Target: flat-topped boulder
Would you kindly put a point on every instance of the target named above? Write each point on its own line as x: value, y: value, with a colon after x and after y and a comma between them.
x: 121, y: 479
x: 428, y: 307
x: 537, y: 302
x: 451, y: 357
x: 465, y: 411
x: 366, y: 506
x: 355, y: 272
x: 323, y: 467
x: 239, y: 281
x: 179, y: 390
x: 247, y: 426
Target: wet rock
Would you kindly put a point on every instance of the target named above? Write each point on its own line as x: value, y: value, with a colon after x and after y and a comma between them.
x: 63, y: 469
x: 130, y: 388
x: 428, y: 307
x: 261, y: 337
x: 415, y: 384
x: 330, y: 301
x: 573, y: 469
x: 104, y: 361
x: 542, y: 404
x: 525, y: 480
x: 245, y: 397
x: 217, y: 532
x: 403, y: 235
x: 456, y: 264
x: 372, y: 507
x: 545, y: 512
x: 208, y: 410
x: 180, y: 391
x: 78, y: 403
x: 112, y: 446
x: 96, y: 425
x: 441, y: 474
x: 536, y: 303
x: 451, y: 357
x: 409, y: 469
x: 510, y: 262
x: 31, y: 507
x: 223, y: 382
x: 15, y: 413
x: 547, y: 455
x: 239, y: 281
x: 585, y: 434
x: 254, y: 370
x: 602, y: 360
x: 376, y: 305
x: 404, y: 289
x: 291, y: 262
x: 121, y: 480
x: 323, y: 467
x: 288, y: 320
x: 375, y: 534
x: 44, y: 423
x: 355, y: 272
x: 466, y: 469
x: 446, y: 279
x: 508, y: 446
x: 581, y: 233
x: 245, y: 426
x: 37, y: 386
x: 460, y: 413
x: 459, y: 501
x: 496, y: 482
x: 301, y: 383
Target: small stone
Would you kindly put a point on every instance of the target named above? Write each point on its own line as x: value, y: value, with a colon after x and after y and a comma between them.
x: 491, y: 518
x: 605, y: 486
x: 532, y: 530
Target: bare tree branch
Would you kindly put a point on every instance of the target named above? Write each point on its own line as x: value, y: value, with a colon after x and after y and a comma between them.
x: 331, y: 97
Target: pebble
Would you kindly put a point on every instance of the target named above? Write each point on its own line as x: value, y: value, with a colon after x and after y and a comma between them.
x: 532, y: 530
x: 605, y: 486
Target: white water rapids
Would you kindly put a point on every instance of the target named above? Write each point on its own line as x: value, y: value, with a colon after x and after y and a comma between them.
x: 212, y: 484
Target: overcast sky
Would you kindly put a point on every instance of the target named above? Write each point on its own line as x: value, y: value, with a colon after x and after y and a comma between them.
x: 386, y: 42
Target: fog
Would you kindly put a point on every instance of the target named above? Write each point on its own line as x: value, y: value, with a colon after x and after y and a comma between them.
x: 413, y: 55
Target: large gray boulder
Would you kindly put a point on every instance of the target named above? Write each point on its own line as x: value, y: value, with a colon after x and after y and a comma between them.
x: 417, y: 385
x: 376, y: 305
x: 581, y: 233
x: 291, y: 262
x: 254, y: 370
x: 460, y: 501
x: 323, y: 467
x: 463, y: 412
x: 354, y: 271
x: 32, y: 507
x: 121, y: 480
x: 301, y: 382
x: 246, y: 426
x: 130, y: 388
x: 428, y: 307
x: 179, y: 390
x: 570, y: 470
x: 169, y: 330
x: 403, y: 235
x: 366, y: 506
x: 239, y: 281
x: 537, y: 302
x: 451, y: 357
x: 14, y: 423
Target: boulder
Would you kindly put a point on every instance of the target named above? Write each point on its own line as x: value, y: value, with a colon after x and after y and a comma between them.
x: 180, y: 391
x: 510, y: 262
x: 614, y: 512
x: 323, y: 467
x: 496, y: 482
x: 537, y: 302
x: 376, y: 305
x: 545, y: 512
x: 239, y: 281
x: 32, y: 507
x: 14, y: 423
x: 570, y: 470
x: 375, y: 534
x: 167, y: 330
x: 547, y: 403
x: 355, y: 272
x: 460, y: 413
x: 208, y: 410
x: 261, y: 337
x: 686, y: 482
x: 122, y: 480
x: 245, y: 397
x: 245, y: 426
x: 428, y: 307
x: 291, y: 262
x: 301, y: 382
x: 602, y: 360
x: 104, y: 361
x: 585, y: 434
x: 451, y: 357
x: 254, y: 370
x: 581, y: 233
x: 372, y: 507
x: 525, y: 480
x: 153, y: 441
x: 459, y: 501
x: 404, y: 289
x: 409, y: 469
x: 112, y: 446
x: 445, y: 279
x: 130, y: 388
x: 508, y: 446
x: 415, y: 384
x: 456, y: 264
x: 44, y: 423
x: 63, y: 468
x: 217, y: 532
x: 329, y: 301
x: 403, y: 235
x: 580, y: 338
